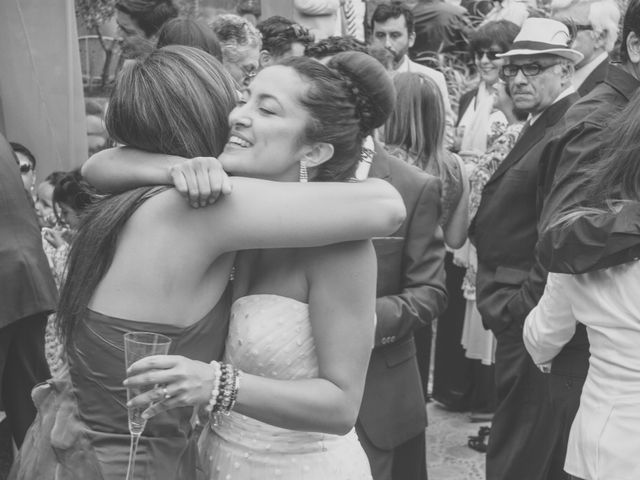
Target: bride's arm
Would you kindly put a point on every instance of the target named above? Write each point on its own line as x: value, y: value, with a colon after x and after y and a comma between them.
x: 342, y: 293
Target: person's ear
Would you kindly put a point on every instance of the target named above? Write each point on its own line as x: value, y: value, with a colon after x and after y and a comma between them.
x: 265, y: 58
x: 316, y: 154
x: 412, y: 39
x: 633, y: 48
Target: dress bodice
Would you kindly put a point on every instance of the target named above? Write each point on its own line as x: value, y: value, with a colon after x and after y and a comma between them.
x: 97, y: 366
x: 270, y: 336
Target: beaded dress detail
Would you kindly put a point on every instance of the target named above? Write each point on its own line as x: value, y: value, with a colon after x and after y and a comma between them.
x: 270, y: 335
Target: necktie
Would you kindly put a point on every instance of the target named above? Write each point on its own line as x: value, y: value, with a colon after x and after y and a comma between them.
x: 350, y: 16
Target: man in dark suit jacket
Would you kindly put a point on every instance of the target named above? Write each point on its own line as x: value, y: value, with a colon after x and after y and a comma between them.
x: 411, y: 293
x: 510, y: 281
x: 27, y: 295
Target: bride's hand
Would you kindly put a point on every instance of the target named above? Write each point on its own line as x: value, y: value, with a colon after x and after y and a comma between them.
x: 201, y: 180
x: 174, y: 381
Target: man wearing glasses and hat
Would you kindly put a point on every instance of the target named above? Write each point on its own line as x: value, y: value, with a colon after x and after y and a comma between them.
x: 510, y: 281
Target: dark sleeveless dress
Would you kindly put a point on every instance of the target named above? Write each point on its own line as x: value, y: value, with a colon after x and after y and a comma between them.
x: 81, y: 429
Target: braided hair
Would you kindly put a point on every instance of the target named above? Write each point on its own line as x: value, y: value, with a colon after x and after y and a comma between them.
x: 348, y: 98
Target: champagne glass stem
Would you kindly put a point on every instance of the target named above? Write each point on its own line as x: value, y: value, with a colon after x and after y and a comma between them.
x: 133, y: 449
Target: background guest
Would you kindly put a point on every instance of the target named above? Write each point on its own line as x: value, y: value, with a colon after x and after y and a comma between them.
x: 392, y: 28
x: 241, y: 46
x: 27, y: 164
x: 191, y: 33
x: 27, y: 295
x: 461, y: 383
x: 596, y: 30
x: 282, y: 38
x: 139, y: 22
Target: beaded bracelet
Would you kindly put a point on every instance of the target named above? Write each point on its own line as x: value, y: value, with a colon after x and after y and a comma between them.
x: 216, y: 386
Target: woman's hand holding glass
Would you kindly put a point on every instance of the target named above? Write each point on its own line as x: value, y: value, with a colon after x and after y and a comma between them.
x: 182, y: 382
x: 201, y: 180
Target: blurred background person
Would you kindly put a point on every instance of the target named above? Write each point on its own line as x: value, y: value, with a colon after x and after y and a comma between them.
x: 282, y: 38
x: 241, y: 45
x: 392, y: 28
x: 191, y: 33
x: 595, y: 26
x: 70, y: 196
x: 27, y: 164
x: 461, y: 383
x: 139, y: 22
x: 27, y: 296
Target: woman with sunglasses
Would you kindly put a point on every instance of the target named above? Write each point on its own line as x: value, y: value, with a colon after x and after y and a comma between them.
x: 481, y: 122
x: 27, y: 163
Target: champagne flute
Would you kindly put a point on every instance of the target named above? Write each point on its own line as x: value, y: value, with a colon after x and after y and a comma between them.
x: 138, y: 345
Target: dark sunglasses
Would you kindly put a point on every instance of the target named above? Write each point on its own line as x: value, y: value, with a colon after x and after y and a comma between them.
x: 25, y: 168
x: 491, y: 54
x: 528, y: 69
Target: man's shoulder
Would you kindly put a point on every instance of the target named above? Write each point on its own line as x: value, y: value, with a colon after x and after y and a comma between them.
x: 406, y: 176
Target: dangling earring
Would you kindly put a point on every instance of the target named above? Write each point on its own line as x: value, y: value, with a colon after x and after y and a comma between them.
x: 304, y: 176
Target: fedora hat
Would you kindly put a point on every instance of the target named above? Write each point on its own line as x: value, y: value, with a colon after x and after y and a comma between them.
x: 543, y: 36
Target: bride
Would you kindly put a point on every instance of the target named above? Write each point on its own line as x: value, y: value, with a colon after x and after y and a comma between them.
x: 145, y: 260
x: 302, y: 322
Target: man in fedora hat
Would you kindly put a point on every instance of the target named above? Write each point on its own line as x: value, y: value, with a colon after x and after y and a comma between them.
x: 510, y: 280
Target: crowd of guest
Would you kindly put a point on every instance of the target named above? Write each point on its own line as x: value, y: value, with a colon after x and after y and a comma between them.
x: 264, y: 161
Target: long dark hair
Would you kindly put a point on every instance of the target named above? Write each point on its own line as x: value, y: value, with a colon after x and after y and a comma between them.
x: 175, y: 101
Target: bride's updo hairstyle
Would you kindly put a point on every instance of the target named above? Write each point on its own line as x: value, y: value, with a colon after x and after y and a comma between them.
x: 346, y: 100
x: 175, y: 101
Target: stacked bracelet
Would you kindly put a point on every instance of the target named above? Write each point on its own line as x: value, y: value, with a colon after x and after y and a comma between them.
x: 216, y: 387
x: 227, y: 392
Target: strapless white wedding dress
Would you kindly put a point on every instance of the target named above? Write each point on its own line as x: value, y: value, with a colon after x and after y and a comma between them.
x: 270, y: 335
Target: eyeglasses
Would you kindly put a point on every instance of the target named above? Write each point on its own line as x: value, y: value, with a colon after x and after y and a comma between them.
x: 528, y: 69
x: 491, y: 54
x: 25, y: 168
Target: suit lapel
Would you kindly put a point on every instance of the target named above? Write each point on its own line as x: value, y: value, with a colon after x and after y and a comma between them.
x: 534, y: 134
